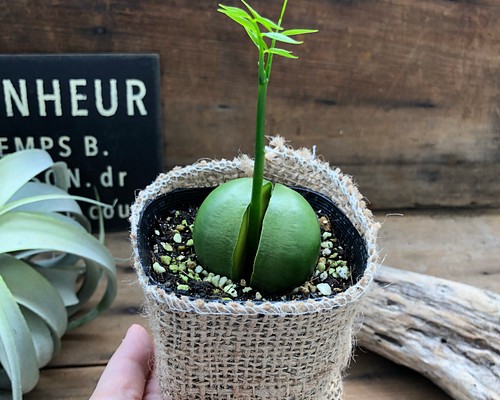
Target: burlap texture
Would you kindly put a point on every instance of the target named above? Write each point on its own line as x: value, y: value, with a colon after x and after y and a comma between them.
x: 256, y: 350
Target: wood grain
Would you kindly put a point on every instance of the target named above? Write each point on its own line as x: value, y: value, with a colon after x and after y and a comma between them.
x: 404, y: 94
x: 372, y: 377
x: 463, y: 246
x: 448, y: 331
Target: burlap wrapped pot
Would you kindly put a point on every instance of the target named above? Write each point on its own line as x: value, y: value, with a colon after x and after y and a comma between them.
x: 256, y: 350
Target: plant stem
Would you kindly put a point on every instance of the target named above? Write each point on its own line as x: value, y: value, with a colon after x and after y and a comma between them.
x: 273, y: 43
x: 256, y: 209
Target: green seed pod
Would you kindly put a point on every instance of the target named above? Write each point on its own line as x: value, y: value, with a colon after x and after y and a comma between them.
x: 288, y: 245
x: 220, y: 228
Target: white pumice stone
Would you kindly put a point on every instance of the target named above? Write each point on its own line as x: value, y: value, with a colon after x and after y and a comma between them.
x: 158, y: 268
x: 343, y: 272
x: 324, y: 289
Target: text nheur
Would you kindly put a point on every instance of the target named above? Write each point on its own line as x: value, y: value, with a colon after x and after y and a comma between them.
x: 84, y: 95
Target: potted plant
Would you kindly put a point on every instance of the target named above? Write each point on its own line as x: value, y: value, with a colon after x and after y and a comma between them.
x: 50, y: 267
x: 251, y: 286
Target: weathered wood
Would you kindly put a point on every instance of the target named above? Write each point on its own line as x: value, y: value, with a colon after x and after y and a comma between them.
x: 448, y: 331
x: 404, y: 93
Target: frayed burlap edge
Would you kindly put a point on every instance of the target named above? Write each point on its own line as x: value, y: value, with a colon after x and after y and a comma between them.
x: 285, y: 165
x: 231, y: 350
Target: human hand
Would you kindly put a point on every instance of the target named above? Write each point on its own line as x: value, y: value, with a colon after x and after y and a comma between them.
x: 129, y: 373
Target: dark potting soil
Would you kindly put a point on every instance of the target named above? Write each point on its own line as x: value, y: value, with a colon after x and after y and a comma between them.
x: 175, y: 267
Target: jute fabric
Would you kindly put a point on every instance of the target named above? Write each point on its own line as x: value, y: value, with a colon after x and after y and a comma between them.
x: 256, y: 350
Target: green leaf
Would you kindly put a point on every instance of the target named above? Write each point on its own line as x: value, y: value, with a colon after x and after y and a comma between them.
x: 22, y: 231
x: 49, y: 260
x: 292, y: 32
x: 42, y: 338
x: 281, y: 52
x: 61, y: 175
x: 265, y: 22
x: 255, y: 39
x: 251, y: 28
x: 281, y: 38
x: 268, y: 24
x: 26, y: 199
x: 64, y: 280
x: 18, y: 168
x: 91, y: 277
x: 33, y: 291
x: 17, y: 351
x: 247, y: 24
x: 255, y: 14
x: 47, y: 207
x: 234, y: 11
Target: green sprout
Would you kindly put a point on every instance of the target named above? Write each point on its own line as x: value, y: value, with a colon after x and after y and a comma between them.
x: 252, y: 229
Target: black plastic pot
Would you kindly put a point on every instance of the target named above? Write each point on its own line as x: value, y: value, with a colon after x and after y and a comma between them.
x: 181, y: 199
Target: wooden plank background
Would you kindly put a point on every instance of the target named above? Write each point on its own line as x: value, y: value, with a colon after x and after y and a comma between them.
x: 402, y: 94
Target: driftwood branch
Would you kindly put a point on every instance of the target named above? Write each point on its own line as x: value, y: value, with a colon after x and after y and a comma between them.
x: 447, y: 331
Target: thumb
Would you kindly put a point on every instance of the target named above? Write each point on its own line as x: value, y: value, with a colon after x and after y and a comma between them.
x: 127, y: 372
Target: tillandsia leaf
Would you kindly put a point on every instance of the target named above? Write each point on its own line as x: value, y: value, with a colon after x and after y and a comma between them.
x: 21, y: 231
x: 44, y: 260
x: 34, y: 292
x: 17, y: 351
x: 61, y: 176
x: 18, y: 168
x: 42, y: 197
x: 91, y: 278
x: 64, y: 280
x: 32, y: 189
x: 43, y: 338
x: 49, y: 205
x: 46, y: 254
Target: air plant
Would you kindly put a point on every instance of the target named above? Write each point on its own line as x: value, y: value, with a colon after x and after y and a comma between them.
x: 50, y: 267
x: 250, y: 228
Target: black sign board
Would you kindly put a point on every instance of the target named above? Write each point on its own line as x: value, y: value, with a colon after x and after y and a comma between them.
x: 99, y: 113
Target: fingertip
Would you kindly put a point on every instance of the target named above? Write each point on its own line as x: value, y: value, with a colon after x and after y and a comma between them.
x: 129, y: 367
x: 138, y: 334
x: 136, y: 329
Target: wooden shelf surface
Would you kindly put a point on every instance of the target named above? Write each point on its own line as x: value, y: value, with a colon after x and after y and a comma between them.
x: 462, y: 246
